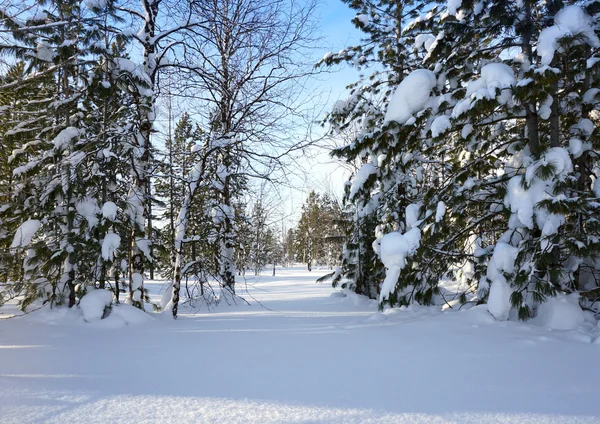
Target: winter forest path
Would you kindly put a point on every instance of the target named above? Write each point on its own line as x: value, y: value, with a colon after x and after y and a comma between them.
x: 304, y: 354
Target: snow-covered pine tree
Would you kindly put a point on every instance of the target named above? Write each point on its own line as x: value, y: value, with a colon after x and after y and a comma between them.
x: 109, y: 129
x: 66, y: 44
x: 22, y: 115
x: 245, y: 237
x: 514, y: 134
x: 383, y: 185
x: 460, y: 145
x: 259, y: 248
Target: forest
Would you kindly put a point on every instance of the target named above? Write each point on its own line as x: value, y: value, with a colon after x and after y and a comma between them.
x: 299, y: 211
x: 149, y: 140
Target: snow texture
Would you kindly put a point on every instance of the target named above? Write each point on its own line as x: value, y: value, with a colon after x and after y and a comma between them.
x: 136, y: 70
x: 424, y: 40
x: 136, y: 281
x: 440, y: 211
x: 64, y: 137
x: 561, y: 312
x: 363, y: 174
x: 440, y: 125
x: 590, y: 96
x: 44, y: 52
x: 522, y: 200
x: 493, y: 76
x: 128, y: 314
x: 109, y: 211
x: 25, y: 233
x: 395, y: 248
x: 502, y: 261
x: 88, y: 209
x: 93, y: 303
x: 110, y: 244
x: 39, y: 15
x: 453, y: 6
x: 544, y: 111
x: 144, y: 245
x: 569, y: 21
x: 410, y: 96
x: 95, y: 4
x: 363, y: 19
x: 412, y: 214
x: 56, y: 370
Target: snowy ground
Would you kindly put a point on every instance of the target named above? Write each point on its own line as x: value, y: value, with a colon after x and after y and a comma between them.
x: 312, y: 357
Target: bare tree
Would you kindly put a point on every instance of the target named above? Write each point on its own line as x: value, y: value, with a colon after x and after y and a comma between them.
x: 159, y: 35
x: 245, y: 71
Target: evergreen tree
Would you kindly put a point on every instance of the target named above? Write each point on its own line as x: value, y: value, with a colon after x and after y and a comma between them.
x: 484, y: 169
x: 67, y: 147
x: 378, y: 194
x: 317, y: 238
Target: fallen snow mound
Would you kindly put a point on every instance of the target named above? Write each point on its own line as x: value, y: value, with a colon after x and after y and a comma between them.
x: 130, y: 314
x: 93, y: 303
x: 561, y: 313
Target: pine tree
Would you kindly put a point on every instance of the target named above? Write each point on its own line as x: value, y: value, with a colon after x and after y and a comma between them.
x: 378, y: 193
x: 501, y: 142
x: 490, y: 178
x: 68, y: 147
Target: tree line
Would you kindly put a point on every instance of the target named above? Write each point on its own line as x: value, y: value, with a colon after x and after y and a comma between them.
x: 473, y: 133
x: 90, y: 173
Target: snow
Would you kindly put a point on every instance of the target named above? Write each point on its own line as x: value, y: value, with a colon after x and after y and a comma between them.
x: 561, y: 312
x: 545, y: 110
x: 25, y: 233
x: 129, y: 314
x: 93, y: 304
x: 424, y: 40
x: 502, y: 261
x: 64, y: 138
x: 453, y: 6
x: 493, y: 76
x: 440, y: 211
x: 410, y: 96
x: 88, y: 209
x: 109, y: 211
x: 586, y: 126
x: 440, y: 125
x: 576, y: 147
x: 395, y: 247
x: 44, y: 52
x: 569, y: 21
x: 137, y: 280
x: 302, y: 361
x: 596, y: 187
x: 110, y: 244
x: 466, y: 131
x: 363, y: 174
x: 144, y: 245
x: 589, y: 97
x: 39, y: 15
x: 136, y: 70
x: 412, y: 214
x: 363, y: 19
x: 95, y: 4
x: 522, y: 201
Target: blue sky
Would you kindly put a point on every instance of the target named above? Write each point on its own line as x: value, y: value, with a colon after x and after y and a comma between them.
x: 337, y: 32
